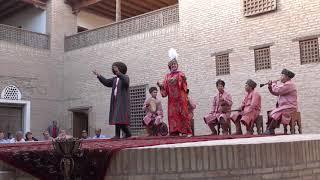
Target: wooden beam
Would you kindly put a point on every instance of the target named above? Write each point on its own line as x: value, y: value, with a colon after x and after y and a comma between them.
x: 36, y: 3
x: 137, y: 5
x: 7, y: 4
x: 164, y: 2
x: 12, y: 10
x: 112, y: 7
x: 108, y: 14
x: 133, y: 8
x: 130, y: 10
x: 158, y: 4
x: 79, y: 5
x: 102, y: 14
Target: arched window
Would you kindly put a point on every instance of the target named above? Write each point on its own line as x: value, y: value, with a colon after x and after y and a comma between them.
x: 11, y: 92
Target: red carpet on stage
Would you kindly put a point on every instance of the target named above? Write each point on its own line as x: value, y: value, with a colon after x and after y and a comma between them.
x: 39, y: 160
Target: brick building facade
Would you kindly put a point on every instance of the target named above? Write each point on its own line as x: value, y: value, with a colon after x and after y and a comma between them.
x: 215, y: 40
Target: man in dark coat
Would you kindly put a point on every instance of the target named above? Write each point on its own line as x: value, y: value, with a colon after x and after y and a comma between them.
x: 119, y: 104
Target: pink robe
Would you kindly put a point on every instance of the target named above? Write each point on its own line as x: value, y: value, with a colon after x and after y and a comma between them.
x: 250, y: 109
x: 287, y: 101
x: 150, y: 117
x: 217, y: 112
x: 175, y: 87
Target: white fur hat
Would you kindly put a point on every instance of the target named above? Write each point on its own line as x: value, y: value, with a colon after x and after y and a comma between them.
x: 172, y: 54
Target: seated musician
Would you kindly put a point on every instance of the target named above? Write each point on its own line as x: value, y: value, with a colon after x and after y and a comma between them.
x: 287, y: 101
x: 249, y: 110
x: 153, y: 116
x: 221, y: 107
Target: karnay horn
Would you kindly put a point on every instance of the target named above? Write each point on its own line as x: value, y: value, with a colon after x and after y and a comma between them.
x: 261, y: 85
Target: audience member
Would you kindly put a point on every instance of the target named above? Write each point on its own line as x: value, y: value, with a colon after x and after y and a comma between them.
x: 84, y: 134
x: 99, y: 135
x: 29, y: 137
x: 18, y: 138
x: 46, y: 136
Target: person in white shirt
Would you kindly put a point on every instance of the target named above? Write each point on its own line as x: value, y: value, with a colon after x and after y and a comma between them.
x: 99, y: 135
x: 18, y: 138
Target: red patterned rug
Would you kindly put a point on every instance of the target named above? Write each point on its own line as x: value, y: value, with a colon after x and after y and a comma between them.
x: 39, y: 160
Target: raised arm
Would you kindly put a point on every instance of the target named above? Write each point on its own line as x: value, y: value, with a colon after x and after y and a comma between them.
x: 163, y: 87
x: 104, y: 81
x: 282, y: 89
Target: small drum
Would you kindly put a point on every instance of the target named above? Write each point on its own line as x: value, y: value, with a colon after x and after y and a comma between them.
x: 162, y: 129
x: 152, y: 106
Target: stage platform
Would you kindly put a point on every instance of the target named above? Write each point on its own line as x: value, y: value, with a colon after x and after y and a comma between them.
x: 294, y: 157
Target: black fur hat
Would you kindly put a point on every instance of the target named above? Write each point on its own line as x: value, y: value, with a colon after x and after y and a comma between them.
x: 288, y: 73
x: 121, y: 66
x: 251, y: 83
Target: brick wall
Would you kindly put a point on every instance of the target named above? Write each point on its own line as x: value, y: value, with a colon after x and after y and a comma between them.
x: 282, y: 161
x: 38, y: 73
x: 205, y: 27
x: 64, y: 80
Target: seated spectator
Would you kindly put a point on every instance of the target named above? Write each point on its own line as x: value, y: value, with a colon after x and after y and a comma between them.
x: 46, y: 136
x: 18, y: 138
x: 63, y: 135
x: 29, y: 137
x: 84, y: 135
x: 99, y: 135
x: 2, y: 139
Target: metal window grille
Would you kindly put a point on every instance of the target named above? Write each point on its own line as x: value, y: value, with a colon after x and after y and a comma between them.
x: 255, y: 7
x: 262, y: 58
x: 11, y: 92
x: 309, y: 51
x: 222, y: 64
x: 137, y: 98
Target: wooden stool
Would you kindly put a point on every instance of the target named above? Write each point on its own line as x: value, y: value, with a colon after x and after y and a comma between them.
x: 259, y: 124
x: 219, y: 127
x: 295, y: 120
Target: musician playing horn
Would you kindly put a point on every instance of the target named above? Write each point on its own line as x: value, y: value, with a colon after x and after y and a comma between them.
x: 287, y: 101
x: 154, y: 112
x: 249, y: 110
x: 220, y: 113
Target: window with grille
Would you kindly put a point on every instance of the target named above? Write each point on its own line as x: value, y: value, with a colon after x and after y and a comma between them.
x: 11, y: 92
x: 255, y: 7
x: 137, y: 98
x: 309, y: 51
x: 222, y: 64
x: 262, y: 58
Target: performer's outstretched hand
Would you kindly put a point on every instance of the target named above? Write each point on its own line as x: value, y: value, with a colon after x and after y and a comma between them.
x: 159, y: 84
x: 95, y: 73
